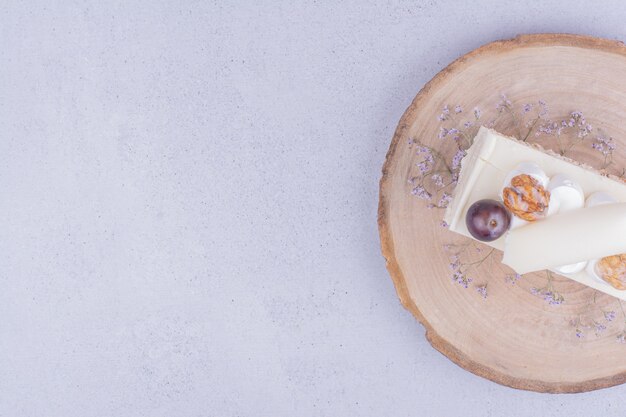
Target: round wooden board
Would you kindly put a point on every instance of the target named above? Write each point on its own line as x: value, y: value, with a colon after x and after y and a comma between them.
x: 512, y: 337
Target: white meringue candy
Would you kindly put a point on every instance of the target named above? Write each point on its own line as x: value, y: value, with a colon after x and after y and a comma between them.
x: 565, y: 194
x: 597, y: 199
x: 571, y: 268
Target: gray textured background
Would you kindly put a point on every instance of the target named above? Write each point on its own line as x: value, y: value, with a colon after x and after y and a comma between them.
x: 188, y: 211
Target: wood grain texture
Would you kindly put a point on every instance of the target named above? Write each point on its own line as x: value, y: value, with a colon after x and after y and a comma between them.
x: 513, y: 337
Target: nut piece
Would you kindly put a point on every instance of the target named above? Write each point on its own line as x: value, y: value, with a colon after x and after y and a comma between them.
x: 612, y: 269
x: 526, y: 198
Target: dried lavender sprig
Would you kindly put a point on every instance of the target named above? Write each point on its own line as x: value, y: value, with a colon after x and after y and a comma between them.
x: 548, y: 293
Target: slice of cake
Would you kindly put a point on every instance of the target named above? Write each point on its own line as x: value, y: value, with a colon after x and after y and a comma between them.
x: 565, y: 217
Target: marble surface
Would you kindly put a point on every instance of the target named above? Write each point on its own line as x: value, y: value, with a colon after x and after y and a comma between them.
x: 189, y: 195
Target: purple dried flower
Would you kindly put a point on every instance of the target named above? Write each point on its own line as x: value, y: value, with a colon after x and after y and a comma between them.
x: 621, y: 338
x: 513, y: 278
x: 477, y: 113
x: 549, y: 296
x: 445, y: 200
x: 461, y: 279
x: 609, y: 315
x: 437, y: 180
x: 579, y: 333
x: 468, y: 124
x: 423, y: 166
x: 444, y: 224
x: 604, y: 145
x: 458, y: 156
x: 550, y: 128
x: 443, y: 132
x: 456, y: 262
x: 544, y: 130
x: 578, y: 119
x: 504, y: 103
x: 544, y: 108
x: 577, y: 115
x: 482, y: 290
x: 421, y: 192
x: 444, y: 114
x: 423, y: 149
x: 599, y: 327
x: 527, y: 108
x: 553, y: 298
x: 457, y: 275
x: 458, y: 108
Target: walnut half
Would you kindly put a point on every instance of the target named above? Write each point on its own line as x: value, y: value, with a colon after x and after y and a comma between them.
x: 526, y: 198
x: 612, y: 269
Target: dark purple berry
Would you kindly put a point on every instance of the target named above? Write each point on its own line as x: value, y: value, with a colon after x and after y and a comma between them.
x: 487, y: 220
